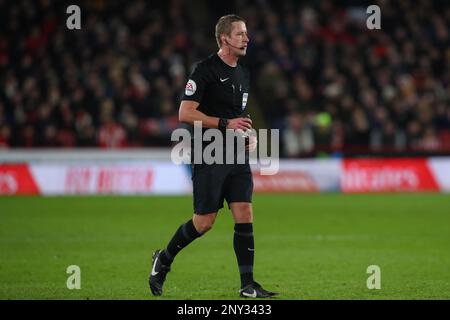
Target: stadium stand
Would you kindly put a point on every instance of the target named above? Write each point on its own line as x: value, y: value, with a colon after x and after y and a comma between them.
x: 318, y: 74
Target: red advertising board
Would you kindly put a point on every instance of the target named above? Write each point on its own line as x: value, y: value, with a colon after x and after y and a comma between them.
x: 108, y: 179
x: 284, y: 181
x: 16, y: 179
x: 387, y: 175
x: 114, y: 179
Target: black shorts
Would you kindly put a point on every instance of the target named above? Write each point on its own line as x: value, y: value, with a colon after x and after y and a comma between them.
x: 217, y: 182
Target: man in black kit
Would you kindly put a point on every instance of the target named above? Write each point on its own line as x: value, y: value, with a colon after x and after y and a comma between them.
x: 216, y: 94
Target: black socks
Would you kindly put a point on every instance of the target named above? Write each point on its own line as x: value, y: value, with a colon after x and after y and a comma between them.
x: 244, y: 248
x: 185, y: 234
x: 243, y: 244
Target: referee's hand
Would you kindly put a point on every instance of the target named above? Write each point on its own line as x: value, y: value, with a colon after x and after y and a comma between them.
x: 240, y: 123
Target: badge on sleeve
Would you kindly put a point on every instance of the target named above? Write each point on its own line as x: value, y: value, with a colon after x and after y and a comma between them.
x: 191, y: 87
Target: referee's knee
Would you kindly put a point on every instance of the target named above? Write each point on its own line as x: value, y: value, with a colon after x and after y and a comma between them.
x: 204, y: 223
x: 242, y: 212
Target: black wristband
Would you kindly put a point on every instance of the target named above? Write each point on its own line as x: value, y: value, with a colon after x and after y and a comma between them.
x: 223, y: 123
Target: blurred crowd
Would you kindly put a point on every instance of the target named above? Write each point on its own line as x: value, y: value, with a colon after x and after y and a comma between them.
x: 318, y: 73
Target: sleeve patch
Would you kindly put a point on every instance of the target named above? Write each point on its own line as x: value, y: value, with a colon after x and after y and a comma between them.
x: 191, y: 87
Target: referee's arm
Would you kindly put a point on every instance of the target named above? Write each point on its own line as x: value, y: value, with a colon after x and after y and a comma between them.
x: 188, y: 113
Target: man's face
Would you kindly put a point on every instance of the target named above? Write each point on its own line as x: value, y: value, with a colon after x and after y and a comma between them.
x: 238, y: 39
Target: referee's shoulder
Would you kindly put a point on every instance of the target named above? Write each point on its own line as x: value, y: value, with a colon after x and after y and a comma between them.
x: 205, y: 63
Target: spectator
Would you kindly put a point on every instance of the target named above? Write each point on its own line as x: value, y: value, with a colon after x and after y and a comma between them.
x: 298, y: 136
x: 5, y: 137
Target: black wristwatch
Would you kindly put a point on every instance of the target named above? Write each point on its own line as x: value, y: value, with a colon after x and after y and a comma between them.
x: 223, y: 123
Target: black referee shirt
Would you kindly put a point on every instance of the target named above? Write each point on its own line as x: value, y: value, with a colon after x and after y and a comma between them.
x: 221, y: 90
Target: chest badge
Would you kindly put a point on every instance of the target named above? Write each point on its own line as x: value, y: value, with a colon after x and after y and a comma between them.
x: 244, y: 99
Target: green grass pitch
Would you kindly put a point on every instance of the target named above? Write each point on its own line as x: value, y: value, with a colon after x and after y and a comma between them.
x: 309, y: 246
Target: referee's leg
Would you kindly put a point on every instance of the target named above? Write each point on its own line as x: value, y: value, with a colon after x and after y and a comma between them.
x: 208, y: 199
x: 243, y: 241
x: 244, y: 247
x: 186, y: 233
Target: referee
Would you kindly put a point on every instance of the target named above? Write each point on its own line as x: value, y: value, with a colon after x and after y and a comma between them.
x: 216, y: 94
